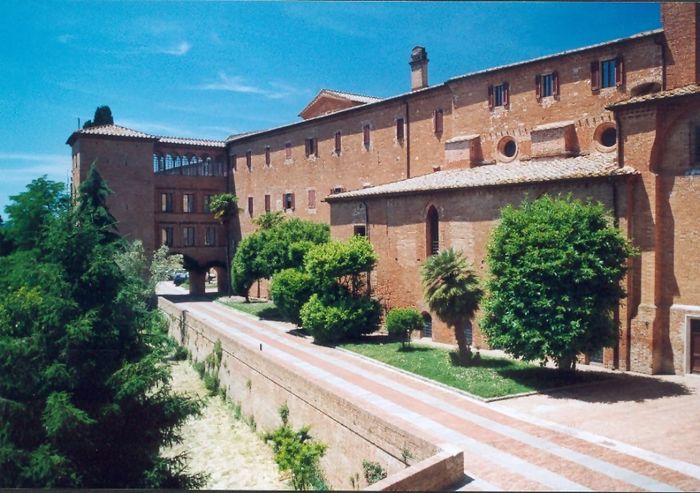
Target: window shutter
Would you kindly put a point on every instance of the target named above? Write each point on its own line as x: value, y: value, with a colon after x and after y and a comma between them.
x: 284, y: 201
x: 595, y: 76
x: 316, y: 147
x: 506, y: 94
x: 538, y: 87
x: 555, y: 83
x: 337, y: 142
x: 306, y: 147
x: 292, y: 201
x: 490, y: 97
x: 619, y: 71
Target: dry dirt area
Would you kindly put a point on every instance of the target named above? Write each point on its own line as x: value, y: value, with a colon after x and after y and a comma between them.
x: 219, y: 445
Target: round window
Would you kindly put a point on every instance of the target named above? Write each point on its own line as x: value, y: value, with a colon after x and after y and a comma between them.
x: 605, y: 137
x: 609, y: 137
x: 510, y: 149
x: 507, y: 148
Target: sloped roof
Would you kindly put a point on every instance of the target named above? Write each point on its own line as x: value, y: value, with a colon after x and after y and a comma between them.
x: 192, y: 142
x: 535, y: 171
x: 119, y: 131
x: 359, y: 99
x: 113, y: 131
x: 657, y: 96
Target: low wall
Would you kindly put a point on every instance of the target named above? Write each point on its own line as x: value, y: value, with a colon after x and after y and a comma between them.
x: 352, y: 434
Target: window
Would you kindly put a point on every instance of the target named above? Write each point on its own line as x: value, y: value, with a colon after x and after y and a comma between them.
x: 499, y: 95
x: 288, y: 150
x: 607, y: 73
x: 696, y: 147
x: 188, y: 236
x: 546, y: 85
x: 207, y: 201
x: 437, y: 121
x: 166, y: 236
x: 249, y: 160
x: 188, y: 202
x: 288, y: 201
x: 312, y: 199
x: 267, y: 155
x: 366, y: 136
x: 399, y: 129
x: 210, y: 236
x: 311, y: 147
x: 359, y: 230
x: 338, y: 142
x: 250, y: 206
x: 267, y: 202
x: 433, y: 231
x: 507, y: 148
x: 166, y: 202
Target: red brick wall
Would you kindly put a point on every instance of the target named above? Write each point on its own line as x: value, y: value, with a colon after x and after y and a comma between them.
x: 126, y: 166
x: 467, y: 218
x: 681, y: 21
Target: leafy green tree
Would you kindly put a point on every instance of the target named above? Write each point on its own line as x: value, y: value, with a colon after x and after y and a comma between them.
x: 103, y: 116
x: 341, y: 305
x: 268, y: 251
x: 33, y: 211
x: 556, y: 267
x: 400, y: 322
x: 85, y: 398
x: 268, y: 220
x: 93, y: 204
x: 290, y: 289
x: 452, y: 292
x: 6, y: 243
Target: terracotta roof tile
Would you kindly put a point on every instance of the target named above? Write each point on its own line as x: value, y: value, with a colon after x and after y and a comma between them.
x: 657, y: 96
x: 192, y: 142
x: 540, y: 170
x: 115, y: 131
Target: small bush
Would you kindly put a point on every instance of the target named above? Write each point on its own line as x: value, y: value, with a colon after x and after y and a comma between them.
x: 330, y: 319
x: 373, y: 471
x: 297, y: 453
x: 400, y: 322
x: 180, y: 353
x: 290, y: 289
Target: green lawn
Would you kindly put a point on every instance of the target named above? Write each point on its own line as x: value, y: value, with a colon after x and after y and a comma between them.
x: 263, y: 309
x: 493, y: 377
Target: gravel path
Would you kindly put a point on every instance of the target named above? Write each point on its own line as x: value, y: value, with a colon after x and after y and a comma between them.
x: 217, y: 444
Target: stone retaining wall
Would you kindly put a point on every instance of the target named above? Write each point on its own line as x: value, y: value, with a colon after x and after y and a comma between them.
x: 351, y: 433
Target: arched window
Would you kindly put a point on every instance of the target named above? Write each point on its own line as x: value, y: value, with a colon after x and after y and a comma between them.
x: 169, y: 161
x: 427, y: 325
x: 432, y: 231
x: 158, y: 164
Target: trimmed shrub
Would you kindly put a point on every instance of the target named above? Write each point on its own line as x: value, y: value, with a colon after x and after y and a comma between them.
x: 330, y: 319
x: 401, y: 321
x: 290, y: 289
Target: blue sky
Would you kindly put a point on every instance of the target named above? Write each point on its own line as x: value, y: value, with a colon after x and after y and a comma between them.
x: 209, y: 69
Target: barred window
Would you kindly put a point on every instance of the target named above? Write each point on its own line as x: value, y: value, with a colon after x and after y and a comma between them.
x: 188, y: 203
x: 210, y: 236
x: 166, y: 202
x: 166, y: 236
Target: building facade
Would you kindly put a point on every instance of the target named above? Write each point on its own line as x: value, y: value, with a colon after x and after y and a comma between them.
x: 617, y: 122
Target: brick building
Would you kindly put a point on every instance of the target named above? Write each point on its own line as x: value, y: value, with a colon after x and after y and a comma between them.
x: 618, y: 122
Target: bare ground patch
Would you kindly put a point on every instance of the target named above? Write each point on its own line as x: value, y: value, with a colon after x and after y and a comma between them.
x: 219, y: 445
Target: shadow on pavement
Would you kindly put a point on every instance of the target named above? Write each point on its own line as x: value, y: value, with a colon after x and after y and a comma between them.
x: 622, y: 388
x: 186, y: 297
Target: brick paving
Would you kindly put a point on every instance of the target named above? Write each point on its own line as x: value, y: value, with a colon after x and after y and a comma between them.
x: 505, y: 448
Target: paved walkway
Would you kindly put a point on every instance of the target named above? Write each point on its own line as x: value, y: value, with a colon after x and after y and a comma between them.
x: 504, y: 448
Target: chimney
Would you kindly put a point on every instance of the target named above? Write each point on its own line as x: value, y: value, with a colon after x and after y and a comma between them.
x: 419, y: 68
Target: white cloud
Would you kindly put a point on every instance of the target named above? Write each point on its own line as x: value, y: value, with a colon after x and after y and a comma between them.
x: 179, y: 50
x: 24, y: 167
x: 236, y: 83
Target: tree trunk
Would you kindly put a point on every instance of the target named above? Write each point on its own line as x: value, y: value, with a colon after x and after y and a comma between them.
x: 567, y: 364
x: 464, y: 350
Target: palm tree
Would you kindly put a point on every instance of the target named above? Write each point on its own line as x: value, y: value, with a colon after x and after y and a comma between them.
x: 224, y: 206
x: 452, y: 291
